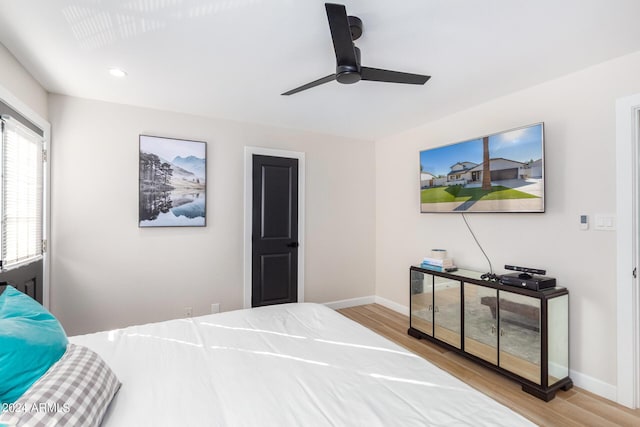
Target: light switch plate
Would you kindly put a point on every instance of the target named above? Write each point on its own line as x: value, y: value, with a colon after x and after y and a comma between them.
x: 605, y: 222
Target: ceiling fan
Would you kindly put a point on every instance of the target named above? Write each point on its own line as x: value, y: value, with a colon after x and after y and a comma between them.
x: 344, y: 30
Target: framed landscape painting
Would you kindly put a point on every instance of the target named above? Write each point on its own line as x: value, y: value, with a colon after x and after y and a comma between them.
x: 172, y: 182
x: 503, y: 172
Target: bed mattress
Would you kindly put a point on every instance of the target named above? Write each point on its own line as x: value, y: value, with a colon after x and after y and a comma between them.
x: 286, y: 365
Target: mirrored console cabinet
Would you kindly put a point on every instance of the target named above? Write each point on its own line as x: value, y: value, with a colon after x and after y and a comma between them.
x: 521, y: 333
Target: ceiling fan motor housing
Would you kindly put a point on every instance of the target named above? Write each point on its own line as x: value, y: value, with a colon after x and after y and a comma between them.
x: 349, y: 74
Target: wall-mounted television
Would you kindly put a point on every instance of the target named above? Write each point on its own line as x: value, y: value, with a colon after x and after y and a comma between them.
x: 502, y: 172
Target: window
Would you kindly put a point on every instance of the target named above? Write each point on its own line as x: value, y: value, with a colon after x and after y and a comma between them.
x: 21, y: 210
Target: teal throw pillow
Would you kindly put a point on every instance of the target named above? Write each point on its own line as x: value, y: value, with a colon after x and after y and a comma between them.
x: 31, y: 340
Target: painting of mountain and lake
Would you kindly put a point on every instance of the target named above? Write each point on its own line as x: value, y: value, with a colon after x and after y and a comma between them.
x: 173, y: 182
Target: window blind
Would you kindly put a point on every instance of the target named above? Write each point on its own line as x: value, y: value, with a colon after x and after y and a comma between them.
x: 21, y: 204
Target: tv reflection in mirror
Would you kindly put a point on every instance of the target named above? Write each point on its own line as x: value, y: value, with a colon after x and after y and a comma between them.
x: 503, y: 172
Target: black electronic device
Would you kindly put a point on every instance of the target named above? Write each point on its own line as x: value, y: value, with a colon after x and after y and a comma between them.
x: 526, y: 278
x: 526, y: 271
x: 490, y: 276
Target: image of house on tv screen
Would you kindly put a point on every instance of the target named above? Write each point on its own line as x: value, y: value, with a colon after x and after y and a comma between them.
x: 503, y: 172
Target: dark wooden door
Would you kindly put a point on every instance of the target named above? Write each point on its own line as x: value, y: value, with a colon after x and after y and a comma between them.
x: 26, y: 278
x: 275, y: 231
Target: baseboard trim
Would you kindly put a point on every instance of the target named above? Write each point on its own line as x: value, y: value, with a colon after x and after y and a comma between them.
x: 586, y: 382
x: 372, y: 299
x: 352, y: 302
x: 392, y: 305
x: 594, y: 385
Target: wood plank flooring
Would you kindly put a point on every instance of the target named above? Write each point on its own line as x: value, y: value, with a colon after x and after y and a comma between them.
x: 575, y: 407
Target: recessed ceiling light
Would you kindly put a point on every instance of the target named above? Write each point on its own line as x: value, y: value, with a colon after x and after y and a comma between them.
x: 117, y: 72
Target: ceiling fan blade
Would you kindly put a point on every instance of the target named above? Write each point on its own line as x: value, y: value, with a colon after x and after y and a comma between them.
x: 378, y: 75
x: 341, y: 35
x: 329, y: 78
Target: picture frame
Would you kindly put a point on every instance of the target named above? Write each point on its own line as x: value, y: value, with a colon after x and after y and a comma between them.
x: 501, y: 172
x: 172, y: 182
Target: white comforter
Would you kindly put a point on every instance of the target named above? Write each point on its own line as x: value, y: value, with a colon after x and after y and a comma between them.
x: 286, y: 365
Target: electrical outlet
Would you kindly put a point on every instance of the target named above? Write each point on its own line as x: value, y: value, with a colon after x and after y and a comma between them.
x: 215, y: 308
x: 188, y: 312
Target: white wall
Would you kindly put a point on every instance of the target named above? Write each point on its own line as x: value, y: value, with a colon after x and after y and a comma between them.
x: 14, y: 78
x: 106, y: 272
x: 579, y: 115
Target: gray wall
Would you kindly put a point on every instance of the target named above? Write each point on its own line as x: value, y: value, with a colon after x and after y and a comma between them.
x: 107, y: 273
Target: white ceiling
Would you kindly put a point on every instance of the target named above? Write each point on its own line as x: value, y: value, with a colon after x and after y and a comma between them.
x: 233, y: 58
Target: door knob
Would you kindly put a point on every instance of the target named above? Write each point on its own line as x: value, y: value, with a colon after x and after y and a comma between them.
x: 293, y: 245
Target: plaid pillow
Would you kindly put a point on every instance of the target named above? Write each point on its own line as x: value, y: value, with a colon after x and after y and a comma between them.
x: 75, y: 391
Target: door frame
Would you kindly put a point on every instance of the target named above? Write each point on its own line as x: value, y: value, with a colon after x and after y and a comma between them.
x: 248, y: 217
x: 22, y: 108
x: 627, y: 257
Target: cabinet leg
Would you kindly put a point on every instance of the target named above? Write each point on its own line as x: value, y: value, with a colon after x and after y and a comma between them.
x: 412, y: 332
x: 568, y: 386
x: 546, y: 396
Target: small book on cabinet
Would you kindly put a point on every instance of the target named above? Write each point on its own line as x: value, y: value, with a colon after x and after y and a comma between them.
x: 445, y: 262
x: 441, y: 269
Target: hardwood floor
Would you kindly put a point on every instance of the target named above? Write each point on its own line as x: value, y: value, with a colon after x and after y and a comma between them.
x: 575, y: 407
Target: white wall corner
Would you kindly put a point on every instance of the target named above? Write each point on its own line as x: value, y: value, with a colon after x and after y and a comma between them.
x: 593, y: 385
x: 392, y: 305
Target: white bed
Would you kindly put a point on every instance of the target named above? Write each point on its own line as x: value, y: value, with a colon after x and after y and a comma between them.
x: 285, y: 365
